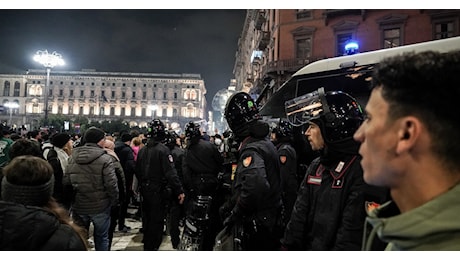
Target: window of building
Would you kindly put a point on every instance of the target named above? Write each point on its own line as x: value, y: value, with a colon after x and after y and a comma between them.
x: 175, y: 112
x: 61, y: 92
x: 80, y: 112
x: 82, y: 93
x: 50, y: 93
x: 134, y: 94
x: 193, y: 95
x: 187, y: 94
x: 6, y: 89
x: 102, y: 111
x: 190, y: 111
x: 392, y: 30
x: 92, y: 83
x: 154, y: 95
x: 134, y: 84
x: 92, y: 93
x: 71, y: 93
x: 175, y: 95
x: 144, y: 112
x: 123, y: 95
x: 144, y: 95
x: 103, y: 83
x: 17, y: 88
x: 62, y: 83
x: 145, y: 85
x: 391, y: 38
x: 165, y: 95
x: 60, y: 110
x: 303, y: 47
x: 51, y: 83
x: 112, y: 111
x: 113, y: 84
x: 342, y: 40
x: 164, y: 112
x: 133, y: 111
x: 70, y: 110
x: 91, y: 111
x: 122, y: 113
x: 124, y: 84
x: 113, y: 94
x: 71, y: 83
x: 82, y: 83
x: 444, y: 29
x: 303, y: 14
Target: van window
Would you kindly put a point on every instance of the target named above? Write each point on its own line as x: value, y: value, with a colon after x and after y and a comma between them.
x: 355, y: 81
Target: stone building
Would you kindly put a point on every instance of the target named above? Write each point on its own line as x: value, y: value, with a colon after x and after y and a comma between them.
x: 134, y: 97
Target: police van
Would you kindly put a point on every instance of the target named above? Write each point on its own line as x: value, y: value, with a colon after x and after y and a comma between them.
x: 351, y: 74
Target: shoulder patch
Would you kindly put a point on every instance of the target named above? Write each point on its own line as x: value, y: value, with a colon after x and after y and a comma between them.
x: 171, y: 160
x: 283, y: 159
x: 247, y: 161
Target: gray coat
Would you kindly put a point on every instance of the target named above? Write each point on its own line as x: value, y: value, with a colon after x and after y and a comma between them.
x: 93, y: 177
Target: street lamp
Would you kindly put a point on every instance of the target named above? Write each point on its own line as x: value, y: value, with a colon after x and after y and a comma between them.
x: 49, y: 60
x: 11, y: 106
x: 153, y: 108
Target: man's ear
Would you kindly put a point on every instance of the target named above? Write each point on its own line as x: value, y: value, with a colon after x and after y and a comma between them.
x: 408, y: 133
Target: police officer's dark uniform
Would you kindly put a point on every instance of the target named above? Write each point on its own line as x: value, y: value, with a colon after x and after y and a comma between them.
x: 256, y: 203
x: 288, y: 164
x: 201, y: 167
x: 155, y: 171
x: 176, y: 210
x: 329, y: 212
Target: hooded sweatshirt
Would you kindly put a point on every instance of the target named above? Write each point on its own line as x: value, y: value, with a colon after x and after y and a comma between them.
x: 433, y: 226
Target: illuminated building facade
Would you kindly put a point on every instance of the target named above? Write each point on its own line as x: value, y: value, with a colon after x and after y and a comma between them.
x: 135, y: 98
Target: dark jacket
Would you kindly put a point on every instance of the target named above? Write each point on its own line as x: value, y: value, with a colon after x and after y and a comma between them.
x: 288, y: 168
x: 33, y: 228
x: 329, y: 212
x: 201, y: 166
x: 258, y: 183
x: 155, y: 169
x: 126, y: 155
x: 93, y: 177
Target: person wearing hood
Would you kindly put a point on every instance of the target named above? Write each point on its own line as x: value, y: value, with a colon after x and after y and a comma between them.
x: 408, y: 144
x: 30, y: 218
x: 93, y: 177
x: 329, y: 212
x: 256, y: 203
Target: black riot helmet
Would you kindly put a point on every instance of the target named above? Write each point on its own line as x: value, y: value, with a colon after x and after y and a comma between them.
x: 170, y: 138
x: 240, y: 110
x: 192, y: 130
x: 156, y: 130
x: 283, y: 129
x: 337, y: 113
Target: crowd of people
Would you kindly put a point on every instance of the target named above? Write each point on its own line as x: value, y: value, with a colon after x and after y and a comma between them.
x: 383, y: 178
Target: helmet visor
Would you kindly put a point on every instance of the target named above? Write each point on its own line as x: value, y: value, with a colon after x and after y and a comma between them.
x: 303, y: 109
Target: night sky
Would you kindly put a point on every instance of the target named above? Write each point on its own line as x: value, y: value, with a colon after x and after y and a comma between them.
x: 152, y: 41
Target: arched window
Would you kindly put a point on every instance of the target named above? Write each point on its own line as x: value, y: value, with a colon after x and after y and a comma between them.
x: 6, y: 89
x: 187, y: 95
x: 193, y: 94
x: 17, y: 88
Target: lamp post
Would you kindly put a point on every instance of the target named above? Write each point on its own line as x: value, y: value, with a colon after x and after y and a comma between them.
x: 11, y: 106
x: 49, y: 60
x: 153, y: 108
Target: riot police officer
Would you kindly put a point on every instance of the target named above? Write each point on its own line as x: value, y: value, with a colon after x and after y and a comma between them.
x: 156, y: 172
x: 283, y: 133
x: 329, y: 212
x: 201, y: 167
x: 255, y: 207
